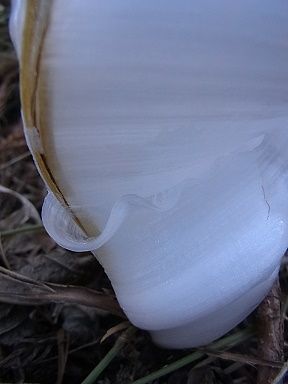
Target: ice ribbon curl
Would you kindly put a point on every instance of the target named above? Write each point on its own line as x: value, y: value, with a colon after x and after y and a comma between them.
x: 61, y: 226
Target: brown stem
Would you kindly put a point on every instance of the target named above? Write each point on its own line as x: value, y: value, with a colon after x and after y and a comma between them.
x: 270, y: 334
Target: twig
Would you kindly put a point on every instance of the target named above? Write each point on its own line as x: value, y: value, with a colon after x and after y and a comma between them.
x: 270, y: 334
x: 121, y: 341
x: 226, y: 342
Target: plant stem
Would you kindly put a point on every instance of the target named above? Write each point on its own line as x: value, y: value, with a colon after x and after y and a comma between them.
x: 119, y: 344
x: 22, y: 230
x: 228, y: 342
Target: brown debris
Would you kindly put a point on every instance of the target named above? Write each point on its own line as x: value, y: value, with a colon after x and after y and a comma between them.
x: 9, y: 91
x: 270, y: 330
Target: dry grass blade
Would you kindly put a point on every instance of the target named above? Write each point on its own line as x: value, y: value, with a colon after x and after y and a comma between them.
x: 19, y: 278
x: 84, y: 296
x: 22, y: 230
x: 63, y: 349
x: 3, y: 254
x: 21, y: 290
x: 117, y: 328
x: 14, y: 160
x: 244, y: 359
x: 30, y: 210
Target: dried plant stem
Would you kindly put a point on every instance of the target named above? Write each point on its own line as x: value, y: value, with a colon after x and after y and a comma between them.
x: 32, y: 292
x: 270, y: 334
x: 14, y: 161
x: 243, y: 359
x: 22, y: 230
x: 3, y: 255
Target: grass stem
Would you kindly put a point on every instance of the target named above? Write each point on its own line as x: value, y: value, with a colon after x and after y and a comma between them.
x: 226, y: 342
x: 119, y: 344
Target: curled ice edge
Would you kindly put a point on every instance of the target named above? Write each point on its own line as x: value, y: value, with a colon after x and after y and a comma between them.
x: 63, y: 228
